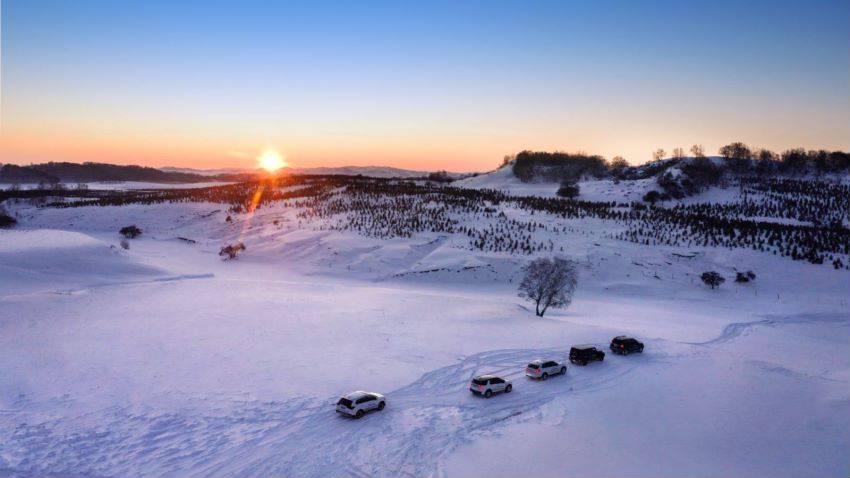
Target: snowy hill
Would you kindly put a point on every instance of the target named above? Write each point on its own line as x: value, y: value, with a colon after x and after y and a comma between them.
x: 42, y: 260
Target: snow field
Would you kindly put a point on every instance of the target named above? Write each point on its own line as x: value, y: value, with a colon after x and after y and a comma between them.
x: 165, y: 361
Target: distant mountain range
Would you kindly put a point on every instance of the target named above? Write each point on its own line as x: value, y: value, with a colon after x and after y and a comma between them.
x: 95, y: 172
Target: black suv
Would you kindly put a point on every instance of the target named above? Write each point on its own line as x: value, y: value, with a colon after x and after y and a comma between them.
x: 582, y: 354
x: 625, y: 345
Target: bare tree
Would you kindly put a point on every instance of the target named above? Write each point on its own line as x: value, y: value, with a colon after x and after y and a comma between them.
x: 678, y: 153
x: 619, y: 163
x: 698, y: 151
x: 659, y: 154
x: 712, y: 279
x: 736, y: 150
x: 548, y: 283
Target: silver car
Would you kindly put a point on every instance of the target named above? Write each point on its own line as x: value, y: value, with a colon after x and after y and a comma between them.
x: 356, y: 404
x: 544, y: 369
x: 487, y: 385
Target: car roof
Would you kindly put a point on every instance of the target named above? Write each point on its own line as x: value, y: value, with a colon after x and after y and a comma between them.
x: 485, y: 377
x: 584, y: 347
x: 539, y: 361
x: 623, y: 337
x: 357, y: 394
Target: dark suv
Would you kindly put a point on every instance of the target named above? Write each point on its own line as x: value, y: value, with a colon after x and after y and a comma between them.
x: 582, y: 354
x: 625, y: 345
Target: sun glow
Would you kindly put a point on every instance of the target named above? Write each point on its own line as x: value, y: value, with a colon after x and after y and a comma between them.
x: 271, y: 161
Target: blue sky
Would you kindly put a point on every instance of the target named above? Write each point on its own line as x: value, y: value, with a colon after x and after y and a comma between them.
x: 434, y: 84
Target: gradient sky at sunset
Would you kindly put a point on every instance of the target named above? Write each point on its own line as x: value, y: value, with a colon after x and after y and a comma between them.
x: 421, y: 85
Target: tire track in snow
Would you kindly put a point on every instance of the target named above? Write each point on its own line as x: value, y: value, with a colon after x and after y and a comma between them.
x: 736, y: 329
x: 101, y: 285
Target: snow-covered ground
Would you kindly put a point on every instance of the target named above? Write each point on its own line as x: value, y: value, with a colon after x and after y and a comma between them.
x: 163, y: 360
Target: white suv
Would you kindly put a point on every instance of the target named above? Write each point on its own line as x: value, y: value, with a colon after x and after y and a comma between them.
x: 543, y: 369
x: 487, y: 385
x: 355, y: 404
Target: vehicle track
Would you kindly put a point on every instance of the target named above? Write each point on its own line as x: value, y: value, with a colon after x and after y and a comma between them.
x: 736, y: 329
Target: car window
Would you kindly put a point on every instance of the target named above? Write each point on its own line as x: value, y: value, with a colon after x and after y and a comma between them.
x: 549, y: 364
x: 479, y: 381
x: 497, y: 380
x: 534, y: 366
x: 360, y: 400
x: 369, y: 398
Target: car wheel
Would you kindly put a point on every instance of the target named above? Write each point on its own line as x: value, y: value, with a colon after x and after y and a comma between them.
x: 563, y: 370
x: 641, y: 350
x: 488, y: 394
x: 509, y: 388
x: 545, y: 375
x: 381, y: 405
x: 601, y: 358
x: 625, y: 351
x: 584, y: 362
x: 359, y: 414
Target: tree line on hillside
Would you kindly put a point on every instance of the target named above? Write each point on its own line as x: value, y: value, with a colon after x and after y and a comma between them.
x: 493, y: 221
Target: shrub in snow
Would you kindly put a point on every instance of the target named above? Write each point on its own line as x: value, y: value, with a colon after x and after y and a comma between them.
x: 569, y: 189
x: 125, y: 244
x: 670, y: 185
x: 7, y: 221
x: 130, y: 232
x: 745, y: 276
x: 712, y: 279
x: 652, y: 196
x: 440, y: 177
x: 231, y: 251
x: 548, y: 283
x: 701, y: 173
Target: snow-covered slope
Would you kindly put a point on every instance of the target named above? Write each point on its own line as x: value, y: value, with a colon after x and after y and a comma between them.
x: 52, y: 260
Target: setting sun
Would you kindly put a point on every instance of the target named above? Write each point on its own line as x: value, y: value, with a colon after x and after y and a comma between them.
x: 271, y: 161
